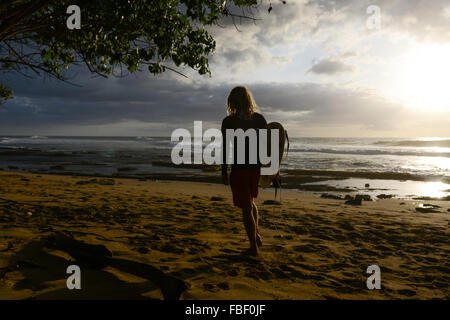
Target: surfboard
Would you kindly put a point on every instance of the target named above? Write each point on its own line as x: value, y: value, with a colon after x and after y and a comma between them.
x: 266, y: 180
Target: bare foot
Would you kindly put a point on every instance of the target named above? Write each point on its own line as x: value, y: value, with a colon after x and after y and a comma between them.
x: 251, y: 252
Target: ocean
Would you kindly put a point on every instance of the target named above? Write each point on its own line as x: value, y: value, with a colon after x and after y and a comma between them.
x: 137, y: 156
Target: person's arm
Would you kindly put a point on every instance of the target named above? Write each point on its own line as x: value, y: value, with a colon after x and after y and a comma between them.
x: 224, y: 149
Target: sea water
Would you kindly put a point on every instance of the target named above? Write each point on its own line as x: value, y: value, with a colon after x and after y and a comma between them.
x: 133, y: 156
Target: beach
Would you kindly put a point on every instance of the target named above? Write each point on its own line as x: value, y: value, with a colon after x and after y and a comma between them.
x: 313, y: 247
x: 134, y: 139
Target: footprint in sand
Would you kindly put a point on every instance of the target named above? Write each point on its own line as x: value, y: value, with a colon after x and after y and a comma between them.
x: 278, y: 273
x: 233, y: 273
x: 406, y: 292
x: 305, y: 248
x: 224, y: 285
x: 299, y: 230
x: 258, y: 275
x: 226, y: 250
x: 142, y: 250
x: 209, y: 287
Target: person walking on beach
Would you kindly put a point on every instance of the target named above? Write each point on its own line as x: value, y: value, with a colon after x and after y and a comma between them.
x: 244, y: 177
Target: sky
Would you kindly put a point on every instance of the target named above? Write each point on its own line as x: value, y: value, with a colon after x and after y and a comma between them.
x: 347, y: 68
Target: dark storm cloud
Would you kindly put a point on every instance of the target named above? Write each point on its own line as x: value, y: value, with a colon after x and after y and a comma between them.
x: 101, y: 101
x: 172, y: 103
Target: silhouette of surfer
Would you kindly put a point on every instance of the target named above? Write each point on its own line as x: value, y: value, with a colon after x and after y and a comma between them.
x: 243, y: 178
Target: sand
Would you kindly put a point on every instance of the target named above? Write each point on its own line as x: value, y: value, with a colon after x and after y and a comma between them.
x: 314, y: 248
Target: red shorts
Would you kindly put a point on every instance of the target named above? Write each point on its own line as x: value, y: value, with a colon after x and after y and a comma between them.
x: 244, y: 185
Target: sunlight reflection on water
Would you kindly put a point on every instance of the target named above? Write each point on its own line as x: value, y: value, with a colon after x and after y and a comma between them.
x: 433, y: 189
x: 401, y: 189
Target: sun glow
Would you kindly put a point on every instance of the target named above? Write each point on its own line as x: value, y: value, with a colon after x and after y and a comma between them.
x: 424, y: 82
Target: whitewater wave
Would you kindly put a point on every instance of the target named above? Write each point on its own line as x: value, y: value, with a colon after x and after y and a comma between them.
x: 144, y: 138
x: 374, y: 152
x: 438, y: 143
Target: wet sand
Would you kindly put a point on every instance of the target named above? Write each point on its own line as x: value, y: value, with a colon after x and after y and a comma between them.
x: 314, y: 248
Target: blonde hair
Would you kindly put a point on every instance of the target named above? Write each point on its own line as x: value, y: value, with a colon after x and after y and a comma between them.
x: 240, y: 102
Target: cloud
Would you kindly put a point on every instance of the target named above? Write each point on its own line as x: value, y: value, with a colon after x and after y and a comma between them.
x: 421, y: 19
x: 145, y: 105
x: 336, y: 24
x: 251, y: 45
x: 330, y: 67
